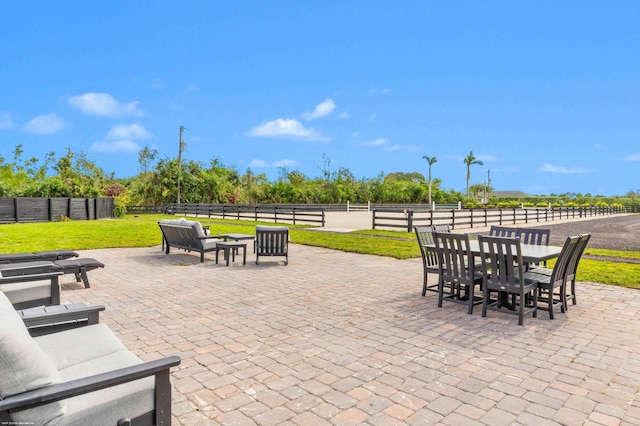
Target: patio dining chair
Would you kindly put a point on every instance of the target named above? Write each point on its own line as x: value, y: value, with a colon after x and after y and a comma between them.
x: 430, y: 264
x: 552, y: 280
x: 458, y: 273
x: 572, y: 269
x: 441, y: 227
x: 534, y: 236
x: 504, y: 273
x: 503, y: 231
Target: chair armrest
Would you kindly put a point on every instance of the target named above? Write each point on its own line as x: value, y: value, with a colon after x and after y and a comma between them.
x: 30, y: 277
x: 209, y: 237
x: 52, y: 319
x: 89, y: 384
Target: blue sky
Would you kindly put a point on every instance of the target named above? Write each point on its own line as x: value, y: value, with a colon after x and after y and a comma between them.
x: 545, y: 93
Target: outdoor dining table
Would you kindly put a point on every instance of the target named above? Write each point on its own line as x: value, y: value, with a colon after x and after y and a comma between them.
x: 531, y: 253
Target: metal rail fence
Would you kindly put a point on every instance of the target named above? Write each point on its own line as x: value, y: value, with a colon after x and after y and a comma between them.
x: 406, y: 219
x: 265, y: 213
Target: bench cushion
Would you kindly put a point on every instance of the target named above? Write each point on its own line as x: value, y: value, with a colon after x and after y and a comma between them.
x: 74, y: 265
x: 52, y: 255
x: 197, y: 226
x: 24, y: 366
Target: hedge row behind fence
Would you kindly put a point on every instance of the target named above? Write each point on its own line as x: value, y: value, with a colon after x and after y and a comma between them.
x: 54, y: 209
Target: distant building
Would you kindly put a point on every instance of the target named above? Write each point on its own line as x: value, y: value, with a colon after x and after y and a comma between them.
x: 509, y: 194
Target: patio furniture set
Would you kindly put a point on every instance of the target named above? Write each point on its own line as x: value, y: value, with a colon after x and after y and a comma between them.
x: 504, y: 271
x: 269, y: 241
x: 60, y: 365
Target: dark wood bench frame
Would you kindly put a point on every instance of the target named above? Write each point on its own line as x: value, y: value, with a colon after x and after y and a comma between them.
x: 184, y: 237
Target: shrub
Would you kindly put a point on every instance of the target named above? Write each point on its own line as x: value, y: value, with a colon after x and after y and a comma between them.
x: 120, y: 203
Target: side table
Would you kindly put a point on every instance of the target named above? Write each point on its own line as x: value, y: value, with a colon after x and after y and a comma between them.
x: 230, y: 248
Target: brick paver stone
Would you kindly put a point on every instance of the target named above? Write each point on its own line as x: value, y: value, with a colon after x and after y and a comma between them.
x: 342, y: 338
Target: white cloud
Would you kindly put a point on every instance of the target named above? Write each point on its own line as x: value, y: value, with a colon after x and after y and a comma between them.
x: 103, y: 104
x: 322, y: 110
x: 634, y: 157
x: 343, y: 115
x: 115, y: 146
x: 122, y: 138
x: 486, y: 157
x: 45, y: 124
x: 563, y: 170
x: 5, y: 121
x: 258, y: 163
x: 285, y: 163
x: 132, y: 131
x: 285, y: 128
x: 387, y: 146
x: 376, y: 142
x: 280, y: 163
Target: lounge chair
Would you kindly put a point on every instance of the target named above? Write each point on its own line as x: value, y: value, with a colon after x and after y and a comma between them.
x: 82, y: 376
x: 49, y: 255
x: 79, y: 267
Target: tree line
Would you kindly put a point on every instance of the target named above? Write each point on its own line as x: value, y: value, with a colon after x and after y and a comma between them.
x: 163, y: 181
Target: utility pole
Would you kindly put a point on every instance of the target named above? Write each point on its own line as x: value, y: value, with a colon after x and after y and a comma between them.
x: 486, y: 188
x: 180, y: 148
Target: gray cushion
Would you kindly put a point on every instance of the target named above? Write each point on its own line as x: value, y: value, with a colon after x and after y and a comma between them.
x: 210, y: 243
x: 25, y: 366
x: 95, y: 349
x: 26, y: 291
x: 197, y: 226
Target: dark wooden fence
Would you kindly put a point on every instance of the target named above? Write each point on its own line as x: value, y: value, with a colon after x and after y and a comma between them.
x: 54, y: 209
x: 266, y: 213
x: 406, y: 219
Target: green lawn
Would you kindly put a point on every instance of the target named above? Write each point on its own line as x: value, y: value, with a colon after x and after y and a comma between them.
x: 143, y: 231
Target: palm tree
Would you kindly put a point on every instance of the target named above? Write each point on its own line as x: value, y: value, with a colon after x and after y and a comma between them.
x: 469, y: 161
x: 431, y: 161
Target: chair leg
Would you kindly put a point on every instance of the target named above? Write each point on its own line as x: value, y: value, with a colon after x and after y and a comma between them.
x: 424, y: 284
x: 485, y: 301
x: 85, y: 278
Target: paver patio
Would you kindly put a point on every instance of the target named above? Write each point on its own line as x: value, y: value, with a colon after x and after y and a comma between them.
x: 341, y: 338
